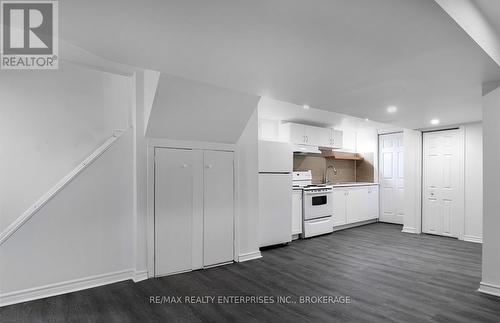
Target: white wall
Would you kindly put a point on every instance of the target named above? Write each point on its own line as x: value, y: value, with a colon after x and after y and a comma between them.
x: 491, y: 218
x: 49, y: 122
x: 413, y: 181
x: 367, y: 145
x: 473, y: 230
x: 83, y: 236
x: 144, y: 91
x: 248, y: 190
x: 189, y: 110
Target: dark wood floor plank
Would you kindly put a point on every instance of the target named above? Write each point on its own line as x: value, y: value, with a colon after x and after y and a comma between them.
x: 389, y: 275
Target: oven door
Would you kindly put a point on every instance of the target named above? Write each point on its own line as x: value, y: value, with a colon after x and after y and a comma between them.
x: 317, y: 204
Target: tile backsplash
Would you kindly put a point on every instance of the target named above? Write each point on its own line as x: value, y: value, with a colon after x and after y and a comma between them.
x: 347, y: 170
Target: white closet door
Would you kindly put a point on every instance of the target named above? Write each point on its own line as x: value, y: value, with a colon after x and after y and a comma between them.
x: 219, y: 207
x: 173, y: 210
x: 391, y: 177
x: 443, y: 190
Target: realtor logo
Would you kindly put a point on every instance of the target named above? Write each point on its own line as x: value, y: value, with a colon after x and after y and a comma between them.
x: 29, y: 35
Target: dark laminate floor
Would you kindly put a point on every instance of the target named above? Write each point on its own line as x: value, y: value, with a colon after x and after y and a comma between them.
x: 390, y: 276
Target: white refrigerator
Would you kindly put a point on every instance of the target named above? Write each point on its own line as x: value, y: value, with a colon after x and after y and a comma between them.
x: 275, y: 192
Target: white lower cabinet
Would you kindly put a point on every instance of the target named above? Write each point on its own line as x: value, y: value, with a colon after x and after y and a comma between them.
x: 339, y: 207
x: 354, y: 204
x: 193, y: 209
x: 371, y: 205
x: 297, y: 212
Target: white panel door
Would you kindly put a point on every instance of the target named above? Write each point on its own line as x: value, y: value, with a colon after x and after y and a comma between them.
x: 297, y: 212
x: 339, y: 207
x: 443, y: 190
x: 391, y: 178
x: 218, y: 208
x: 173, y: 210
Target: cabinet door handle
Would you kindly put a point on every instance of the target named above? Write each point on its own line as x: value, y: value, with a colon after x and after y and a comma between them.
x: 184, y: 165
x: 209, y: 166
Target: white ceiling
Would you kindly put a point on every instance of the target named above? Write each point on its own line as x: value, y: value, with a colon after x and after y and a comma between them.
x: 288, y: 112
x: 350, y: 56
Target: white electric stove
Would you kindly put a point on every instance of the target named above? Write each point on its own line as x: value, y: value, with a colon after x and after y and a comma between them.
x: 317, y: 208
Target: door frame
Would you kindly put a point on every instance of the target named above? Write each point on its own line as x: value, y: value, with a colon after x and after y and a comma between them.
x: 460, y: 224
x: 150, y: 221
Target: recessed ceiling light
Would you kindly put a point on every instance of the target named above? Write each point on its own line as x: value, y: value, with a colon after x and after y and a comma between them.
x: 366, y: 119
x: 306, y: 107
x: 392, y: 109
x: 435, y: 122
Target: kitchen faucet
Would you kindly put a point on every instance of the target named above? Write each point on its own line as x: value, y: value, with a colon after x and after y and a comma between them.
x: 325, y: 179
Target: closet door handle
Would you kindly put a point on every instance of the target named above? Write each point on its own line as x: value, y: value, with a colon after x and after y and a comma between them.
x: 209, y: 166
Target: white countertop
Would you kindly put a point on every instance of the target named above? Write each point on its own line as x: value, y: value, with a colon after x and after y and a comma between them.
x: 354, y: 184
x: 347, y: 184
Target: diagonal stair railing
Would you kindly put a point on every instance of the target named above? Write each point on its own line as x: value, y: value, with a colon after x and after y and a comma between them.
x: 35, y: 207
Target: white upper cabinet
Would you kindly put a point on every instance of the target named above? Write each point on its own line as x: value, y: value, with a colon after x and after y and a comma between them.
x: 297, y: 133
x: 336, y: 139
x: 301, y: 134
x: 349, y: 141
x: 317, y: 136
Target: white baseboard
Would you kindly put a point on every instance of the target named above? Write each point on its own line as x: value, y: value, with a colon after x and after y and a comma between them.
x: 489, y: 289
x: 64, y: 287
x: 249, y: 256
x: 140, y: 275
x: 473, y: 239
x: 409, y: 230
x: 353, y: 225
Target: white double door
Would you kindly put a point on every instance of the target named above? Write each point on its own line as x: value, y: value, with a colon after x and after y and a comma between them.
x: 194, y: 209
x: 391, y: 178
x: 443, y: 188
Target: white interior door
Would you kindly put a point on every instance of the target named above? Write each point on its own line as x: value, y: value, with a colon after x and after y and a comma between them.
x: 443, y: 190
x: 218, y: 208
x: 173, y: 210
x: 391, y: 178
